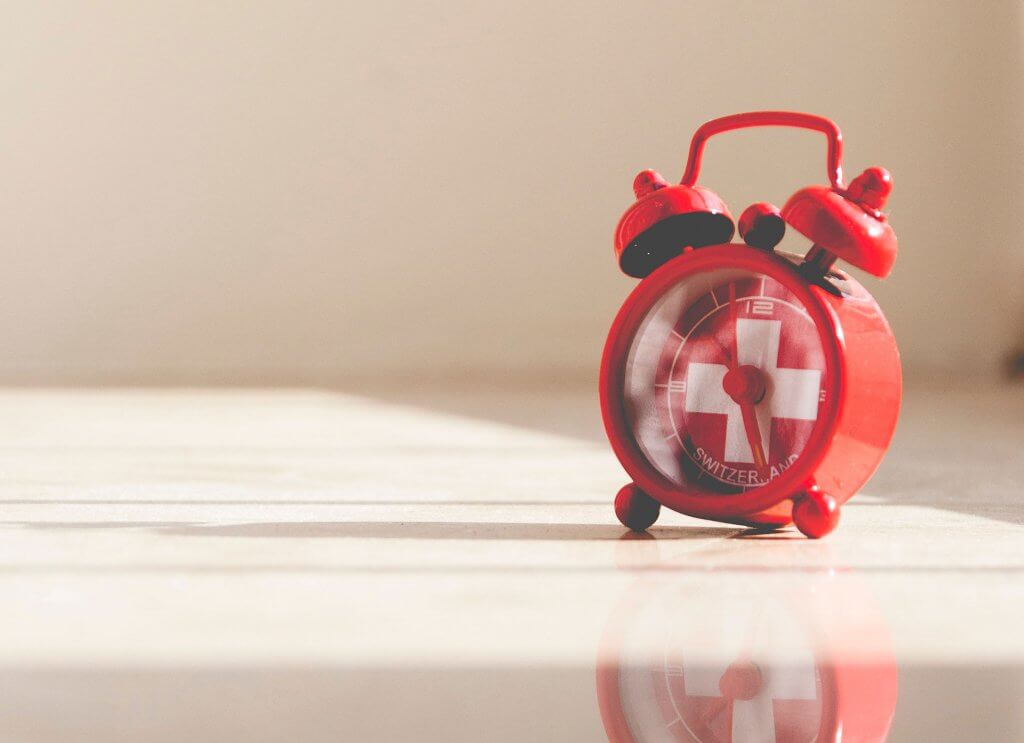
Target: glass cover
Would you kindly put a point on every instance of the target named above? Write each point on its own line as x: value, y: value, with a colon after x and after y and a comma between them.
x: 724, y: 381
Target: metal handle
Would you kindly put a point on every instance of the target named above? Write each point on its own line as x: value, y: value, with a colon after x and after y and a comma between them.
x: 769, y: 118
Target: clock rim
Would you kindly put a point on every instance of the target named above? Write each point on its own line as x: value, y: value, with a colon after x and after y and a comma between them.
x: 800, y: 475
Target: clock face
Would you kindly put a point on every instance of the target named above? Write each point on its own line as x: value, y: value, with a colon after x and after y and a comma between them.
x: 724, y: 381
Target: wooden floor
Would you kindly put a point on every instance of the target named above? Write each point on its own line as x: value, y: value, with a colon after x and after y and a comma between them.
x: 416, y: 565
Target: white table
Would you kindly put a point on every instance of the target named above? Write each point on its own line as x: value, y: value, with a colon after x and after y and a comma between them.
x: 414, y: 564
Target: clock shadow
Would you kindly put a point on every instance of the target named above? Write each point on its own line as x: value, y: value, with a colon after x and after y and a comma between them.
x: 956, y: 448
x: 412, y: 530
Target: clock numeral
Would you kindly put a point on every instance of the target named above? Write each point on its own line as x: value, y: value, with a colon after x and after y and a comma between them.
x: 821, y: 396
x: 677, y: 385
x: 760, y: 307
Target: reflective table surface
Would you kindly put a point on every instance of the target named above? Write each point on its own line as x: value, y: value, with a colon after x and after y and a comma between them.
x: 441, y: 562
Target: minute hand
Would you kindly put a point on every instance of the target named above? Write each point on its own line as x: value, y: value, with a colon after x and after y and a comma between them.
x: 746, y: 401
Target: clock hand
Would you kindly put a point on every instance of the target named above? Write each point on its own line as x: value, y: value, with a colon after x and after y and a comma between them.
x: 747, y: 390
x: 753, y: 431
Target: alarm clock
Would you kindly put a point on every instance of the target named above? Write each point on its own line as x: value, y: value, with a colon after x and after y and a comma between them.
x: 779, y: 660
x: 741, y: 383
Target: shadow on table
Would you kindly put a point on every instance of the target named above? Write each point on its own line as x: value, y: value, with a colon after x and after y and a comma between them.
x: 956, y: 448
x: 446, y: 530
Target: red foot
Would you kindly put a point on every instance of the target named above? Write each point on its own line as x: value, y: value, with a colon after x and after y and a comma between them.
x: 635, y: 509
x: 815, y: 513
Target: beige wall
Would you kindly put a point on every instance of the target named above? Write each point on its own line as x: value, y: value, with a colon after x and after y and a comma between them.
x: 296, y: 191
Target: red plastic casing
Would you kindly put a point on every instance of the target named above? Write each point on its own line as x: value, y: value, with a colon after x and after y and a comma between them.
x: 862, y: 381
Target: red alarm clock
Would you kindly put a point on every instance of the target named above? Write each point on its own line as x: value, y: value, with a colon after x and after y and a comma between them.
x: 740, y: 383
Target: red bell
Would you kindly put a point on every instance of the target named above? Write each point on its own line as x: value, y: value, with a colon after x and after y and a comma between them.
x: 664, y: 220
x: 847, y: 224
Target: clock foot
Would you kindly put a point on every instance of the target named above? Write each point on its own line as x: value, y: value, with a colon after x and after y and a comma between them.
x: 815, y: 513
x: 635, y: 509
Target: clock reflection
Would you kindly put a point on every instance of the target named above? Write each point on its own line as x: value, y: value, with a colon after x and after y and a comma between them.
x: 783, y: 656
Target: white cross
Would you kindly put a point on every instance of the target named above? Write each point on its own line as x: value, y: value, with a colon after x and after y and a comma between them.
x: 791, y: 393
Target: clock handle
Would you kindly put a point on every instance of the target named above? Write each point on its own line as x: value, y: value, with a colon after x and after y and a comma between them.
x: 769, y: 118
